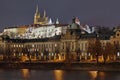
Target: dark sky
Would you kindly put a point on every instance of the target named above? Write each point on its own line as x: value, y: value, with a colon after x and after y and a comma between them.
x: 92, y: 12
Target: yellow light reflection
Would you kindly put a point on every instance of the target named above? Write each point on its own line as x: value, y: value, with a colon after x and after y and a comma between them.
x: 25, y: 73
x: 93, y: 74
x: 58, y: 74
x: 102, y: 75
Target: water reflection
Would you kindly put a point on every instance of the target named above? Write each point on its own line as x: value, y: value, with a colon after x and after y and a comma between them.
x: 93, y: 74
x: 97, y: 74
x: 102, y: 75
x: 58, y: 74
x: 25, y: 73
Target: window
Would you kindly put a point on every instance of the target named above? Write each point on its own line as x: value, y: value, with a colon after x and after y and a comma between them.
x: 33, y: 45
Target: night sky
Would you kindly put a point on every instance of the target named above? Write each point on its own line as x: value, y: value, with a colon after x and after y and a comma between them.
x: 92, y: 12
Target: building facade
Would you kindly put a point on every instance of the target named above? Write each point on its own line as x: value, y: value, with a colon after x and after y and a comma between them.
x: 57, y: 48
x: 45, y: 41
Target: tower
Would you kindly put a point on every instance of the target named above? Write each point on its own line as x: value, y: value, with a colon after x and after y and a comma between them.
x: 40, y: 19
x: 57, y: 21
x: 36, y: 16
x: 44, y: 15
x: 50, y: 21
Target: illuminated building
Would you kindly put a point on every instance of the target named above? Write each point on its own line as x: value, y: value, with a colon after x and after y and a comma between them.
x: 42, y: 19
x: 44, y: 40
x: 55, y: 48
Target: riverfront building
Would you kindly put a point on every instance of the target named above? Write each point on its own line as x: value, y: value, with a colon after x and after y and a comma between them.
x: 44, y: 40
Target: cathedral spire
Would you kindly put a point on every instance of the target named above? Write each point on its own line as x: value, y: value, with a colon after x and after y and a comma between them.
x: 50, y: 21
x: 57, y: 21
x: 44, y: 14
x: 37, y: 9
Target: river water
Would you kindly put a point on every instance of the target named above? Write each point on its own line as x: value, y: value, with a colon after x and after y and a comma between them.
x: 26, y: 74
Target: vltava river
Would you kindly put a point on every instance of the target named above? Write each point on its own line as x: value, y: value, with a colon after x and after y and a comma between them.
x: 26, y: 74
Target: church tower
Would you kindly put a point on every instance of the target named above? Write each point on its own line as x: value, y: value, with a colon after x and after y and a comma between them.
x: 40, y: 19
x: 57, y: 21
x: 36, y: 16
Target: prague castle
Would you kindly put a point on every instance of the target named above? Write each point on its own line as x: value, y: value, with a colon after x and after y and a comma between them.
x: 45, y: 41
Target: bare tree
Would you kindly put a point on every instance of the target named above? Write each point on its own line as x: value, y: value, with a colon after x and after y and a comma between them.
x: 90, y: 49
x: 78, y: 52
x: 98, y: 49
x: 106, y: 51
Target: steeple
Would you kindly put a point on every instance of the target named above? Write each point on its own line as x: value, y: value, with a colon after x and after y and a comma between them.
x: 57, y: 21
x: 44, y: 14
x: 37, y: 9
x: 37, y: 14
x: 38, y: 19
x: 50, y: 21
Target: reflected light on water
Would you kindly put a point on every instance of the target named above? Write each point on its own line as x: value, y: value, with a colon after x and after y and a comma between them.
x: 25, y: 73
x: 58, y: 74
x: 93, y: 74
x: 102, y: 75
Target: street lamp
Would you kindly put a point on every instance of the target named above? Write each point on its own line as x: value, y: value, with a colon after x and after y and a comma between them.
x: 88, y: 54
x: 118, y: 54
x: 55, y: 51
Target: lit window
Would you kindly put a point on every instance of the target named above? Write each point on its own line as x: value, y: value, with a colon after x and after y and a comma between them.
x: 41, y: 54
x: 33, y: 45
x: 21, y: 45
x: 118, y: 54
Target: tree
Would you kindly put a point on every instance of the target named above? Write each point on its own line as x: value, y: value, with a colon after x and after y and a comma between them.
x: 110, y: 50
x: 115, y: 49
x: 78, y: 52
x: 67, y: 54
x: 46, y: 53
x: 67, y: 51
x: 91, y: 49
x: 68, y: 57
x: 57, y: 52
x: 98, y: 49
x: 26, y: 50
x: 106, y: 51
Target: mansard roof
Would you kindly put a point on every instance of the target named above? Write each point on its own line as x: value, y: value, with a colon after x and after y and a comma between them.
x: 94, y: 35
x: 87, y: 36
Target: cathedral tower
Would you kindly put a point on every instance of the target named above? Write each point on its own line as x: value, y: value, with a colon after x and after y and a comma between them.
x: 38, y: 19
x: 36, y: 16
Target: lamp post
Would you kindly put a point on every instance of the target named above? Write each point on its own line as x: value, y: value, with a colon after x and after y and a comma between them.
x: 55, y: 52
x: 118, y: 55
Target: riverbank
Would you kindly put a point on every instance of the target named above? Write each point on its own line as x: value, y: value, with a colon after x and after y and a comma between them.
x: 114, y: 66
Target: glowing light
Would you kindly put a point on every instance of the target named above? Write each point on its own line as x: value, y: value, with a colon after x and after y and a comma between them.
x: 58, y: 74
x: 93, y: 74
x: 102, y: 75
x: 25, y: 73
x: 89, y: 54
x: 52, y: 54
x: 41, y: 54
x: 118, y: 54
x: 49, y: 54
x: 100, y: 58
